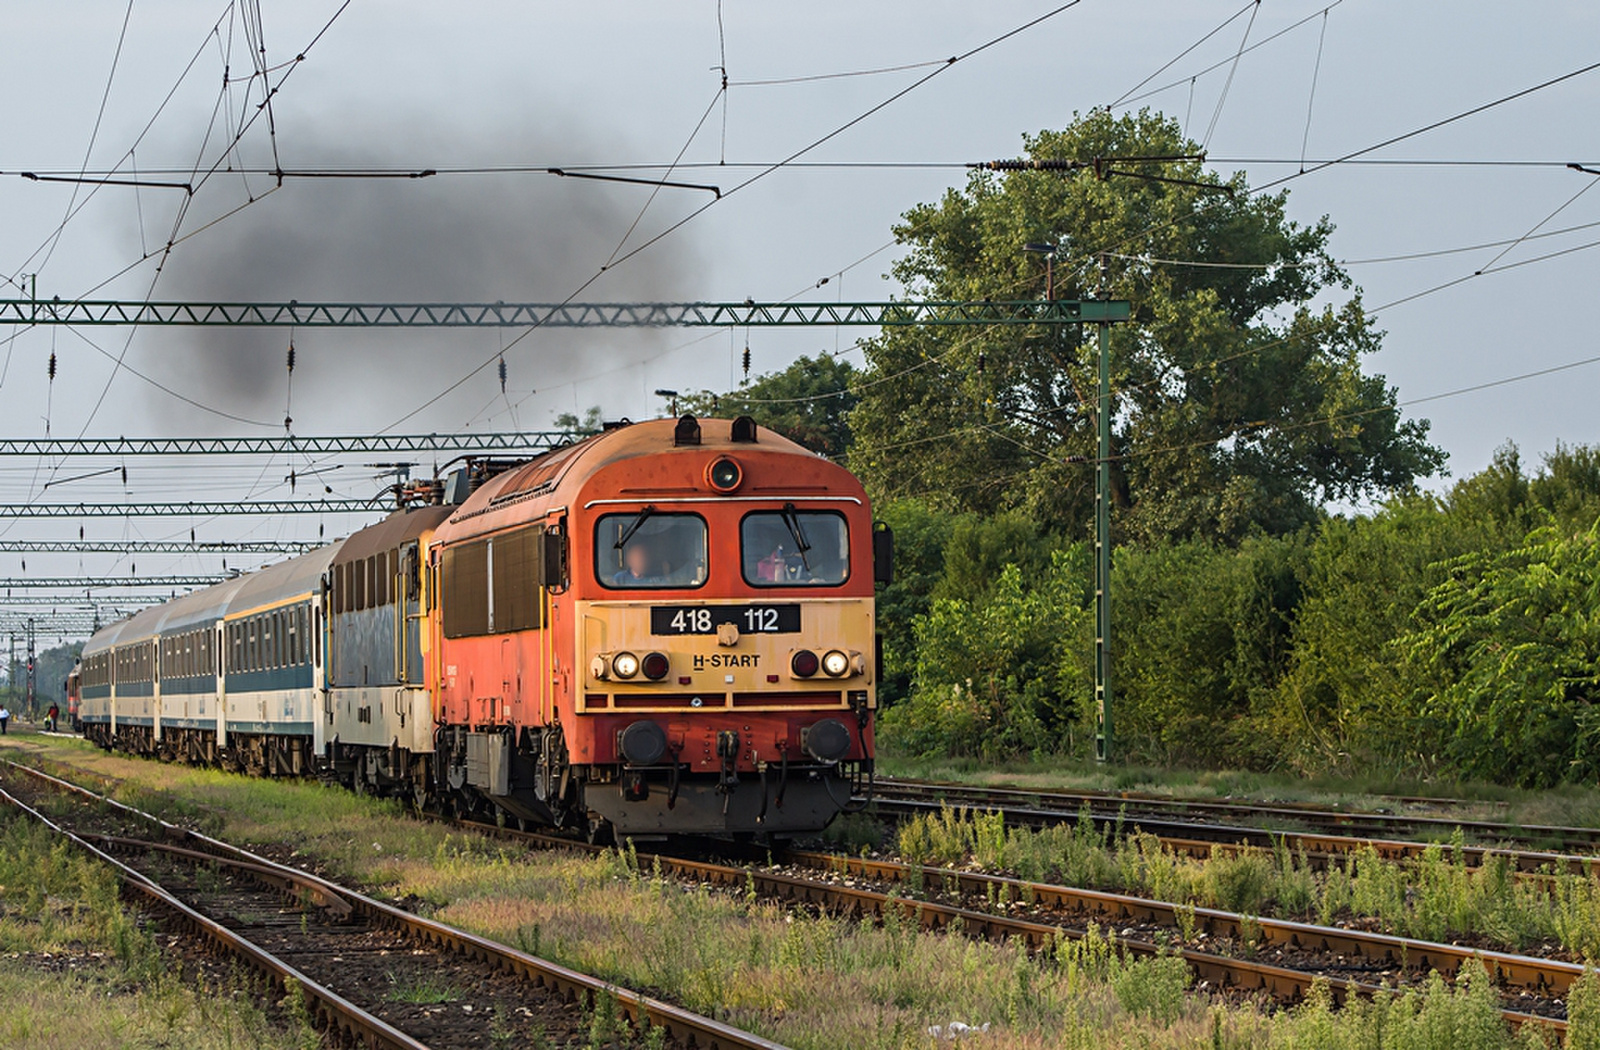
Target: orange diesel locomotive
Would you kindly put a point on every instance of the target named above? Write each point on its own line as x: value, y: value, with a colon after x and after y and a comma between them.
x: 667, y: 628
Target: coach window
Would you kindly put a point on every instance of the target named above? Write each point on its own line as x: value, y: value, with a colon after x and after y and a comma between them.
x: 794, y: 548
x: 644, y: 549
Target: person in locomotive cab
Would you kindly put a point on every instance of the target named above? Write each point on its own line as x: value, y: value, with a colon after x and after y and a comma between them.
x: 638, y: 567
x: 773, y: 568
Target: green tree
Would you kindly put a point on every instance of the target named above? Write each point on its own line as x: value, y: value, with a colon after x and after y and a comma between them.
x: 51, y: 667
x: 809, y: 403
x: 920, y: 536
x: 1511, y: 644
x: 1238, y: 406
x: 1207, y: 631
x: 1002, y: 672
x: 574, y: 428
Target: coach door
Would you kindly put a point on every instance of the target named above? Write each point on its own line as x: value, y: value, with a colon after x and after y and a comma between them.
x: 221, y: 651
x: 409, y: 609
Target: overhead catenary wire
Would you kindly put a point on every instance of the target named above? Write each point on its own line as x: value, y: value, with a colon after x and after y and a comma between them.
x: 430, y: 171
x: 269, y: 89
x: 1311, y: 96
x: 1371, y: 260
x: 1535, y: 227
x: 1375, y: 162
x: 94, y: 135
x: 1130, y: 99
x: 1181, y: 55
x: 1233, y: 69
x: 757, y: 177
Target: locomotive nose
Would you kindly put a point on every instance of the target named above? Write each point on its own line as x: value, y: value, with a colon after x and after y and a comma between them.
x: 828, y: 740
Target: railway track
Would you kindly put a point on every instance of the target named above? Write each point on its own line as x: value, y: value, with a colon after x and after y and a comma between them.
x: 1530, y: 979
x: 1200, y: 838
x: 1352, y: 962
x: 1301, y: 817
x: 1229, y: 953
x: 354, y: 959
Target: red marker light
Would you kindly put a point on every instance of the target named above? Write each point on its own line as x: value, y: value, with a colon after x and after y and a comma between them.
x: 654, y: 666
x: 804, y: 663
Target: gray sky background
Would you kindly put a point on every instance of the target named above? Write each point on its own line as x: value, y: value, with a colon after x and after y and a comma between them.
x: 427, y: 85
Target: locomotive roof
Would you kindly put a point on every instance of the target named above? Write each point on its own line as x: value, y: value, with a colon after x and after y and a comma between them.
x: 586, y: 457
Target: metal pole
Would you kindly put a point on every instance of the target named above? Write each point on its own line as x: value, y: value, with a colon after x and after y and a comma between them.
x: 1102, y: 547
x: 32, y: 703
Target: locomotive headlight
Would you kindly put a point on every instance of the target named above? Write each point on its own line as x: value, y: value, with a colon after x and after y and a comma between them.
x: 724, y: 474
x: 836, y: 664
x: 625, y: 665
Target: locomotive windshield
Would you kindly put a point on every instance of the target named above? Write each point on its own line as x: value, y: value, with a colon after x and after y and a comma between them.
x: 645, y: 549
x: 786, y: 548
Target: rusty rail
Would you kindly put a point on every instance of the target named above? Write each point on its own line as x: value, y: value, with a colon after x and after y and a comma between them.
x: 332, y: 1011
x: 684, y: 1026
x: 1551, y: 977
x: 1324, y: 821
x: 1245, y: 975
x: 1198, y: 839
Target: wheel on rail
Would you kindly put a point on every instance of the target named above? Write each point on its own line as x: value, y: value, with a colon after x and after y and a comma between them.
x: 600, y: 832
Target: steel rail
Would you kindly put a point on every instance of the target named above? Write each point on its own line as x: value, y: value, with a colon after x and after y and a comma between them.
x: 1193, y: 837
x: 1544, y: 976
x: 1245, y: 975
x: 1348, y: 822
x: 287, y: 880
x: 335, y: 1012
x: 685, y: 1026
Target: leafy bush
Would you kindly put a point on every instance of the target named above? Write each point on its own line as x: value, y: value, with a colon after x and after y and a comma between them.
x: 1001, y: 672
x: 1509, y: 649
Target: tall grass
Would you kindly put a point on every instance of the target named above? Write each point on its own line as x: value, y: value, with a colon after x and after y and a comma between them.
x: 812, y: 982
x: 1434, y: 897
x: 108, y: 983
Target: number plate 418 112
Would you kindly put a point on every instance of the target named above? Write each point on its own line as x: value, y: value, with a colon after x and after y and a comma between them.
x: 705, y: 619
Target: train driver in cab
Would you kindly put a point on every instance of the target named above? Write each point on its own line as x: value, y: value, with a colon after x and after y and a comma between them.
x: 638, y: 567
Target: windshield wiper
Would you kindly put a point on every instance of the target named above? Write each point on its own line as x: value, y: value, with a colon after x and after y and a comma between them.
x: 633, y: 527
x: 792, y: 520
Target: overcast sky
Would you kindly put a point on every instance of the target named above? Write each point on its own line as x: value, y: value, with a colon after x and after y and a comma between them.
x: 409, y: 85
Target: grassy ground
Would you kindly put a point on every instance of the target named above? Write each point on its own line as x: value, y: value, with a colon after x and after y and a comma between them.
x: 811, y: 983
x: 77, y: 970
x: 1435, y: 897
x: 1569, y: 805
